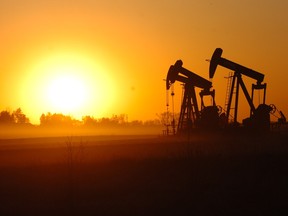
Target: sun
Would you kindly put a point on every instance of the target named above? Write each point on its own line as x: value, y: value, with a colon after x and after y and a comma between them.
x: 67, y: 93
x: 69, y: 83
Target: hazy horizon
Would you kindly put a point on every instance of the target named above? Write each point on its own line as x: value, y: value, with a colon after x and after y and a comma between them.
x: 103, y: 57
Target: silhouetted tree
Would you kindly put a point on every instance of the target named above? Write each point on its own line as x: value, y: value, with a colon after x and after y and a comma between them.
x: 136, y: 123
x: 166, y: 118
x: 119, y: 119
x: 155, y: 122
x: 16, y: 117
x: 115, y: 120
x: 89, y: 121
x: 6, y: 117
x: 105, y: 121
x: 57, y: 119
x: 20, y: 117
x: 43, y: 119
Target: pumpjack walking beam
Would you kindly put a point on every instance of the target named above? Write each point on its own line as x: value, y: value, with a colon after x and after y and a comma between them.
x: 218, y: 60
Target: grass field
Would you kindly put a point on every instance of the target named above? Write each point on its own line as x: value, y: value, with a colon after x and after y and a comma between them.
x: 205, y: 174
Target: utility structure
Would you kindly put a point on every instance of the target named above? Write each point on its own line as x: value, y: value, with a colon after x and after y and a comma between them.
x: 259, y: 118
x: 190, y: 114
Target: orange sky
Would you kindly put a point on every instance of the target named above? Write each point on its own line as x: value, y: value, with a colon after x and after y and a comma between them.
x: 128, y: 46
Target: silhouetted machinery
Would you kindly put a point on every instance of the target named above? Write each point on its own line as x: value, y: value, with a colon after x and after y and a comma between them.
x: 190, y: 115
x: 259, y: 117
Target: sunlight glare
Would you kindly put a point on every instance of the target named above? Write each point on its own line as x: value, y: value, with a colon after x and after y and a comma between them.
x: 67, y: 93
x: 71, y: 84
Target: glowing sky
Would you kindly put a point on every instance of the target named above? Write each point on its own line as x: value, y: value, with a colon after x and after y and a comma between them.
x: 127, y: 46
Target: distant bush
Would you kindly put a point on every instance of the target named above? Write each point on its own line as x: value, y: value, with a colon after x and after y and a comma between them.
x: 118, y: 121
x: 15, y: 117
x: 57, y: 119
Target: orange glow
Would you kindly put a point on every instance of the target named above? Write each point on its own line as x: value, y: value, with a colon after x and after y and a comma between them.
x: 67, y: 83
x: 119, y: 52
x: 67, y: 93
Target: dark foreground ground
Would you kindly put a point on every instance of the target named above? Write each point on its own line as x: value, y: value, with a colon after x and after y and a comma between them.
x: 215, y: 174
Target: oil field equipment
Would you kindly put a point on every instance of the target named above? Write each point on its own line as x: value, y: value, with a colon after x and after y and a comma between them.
x: 190, y: 114
x: 259, y: 117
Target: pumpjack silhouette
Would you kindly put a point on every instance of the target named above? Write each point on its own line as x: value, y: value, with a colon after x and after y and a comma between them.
x: 190, y: 115
x: 213, y: 116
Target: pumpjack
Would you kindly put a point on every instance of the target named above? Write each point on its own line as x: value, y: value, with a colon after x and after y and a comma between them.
x: 190, y: 115
x: 259, y: 117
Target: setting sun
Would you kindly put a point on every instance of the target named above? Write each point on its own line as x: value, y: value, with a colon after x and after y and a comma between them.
x: 68, y: 83
x: 68, y: 93
x: 104, y: 57
x: 90, y: 123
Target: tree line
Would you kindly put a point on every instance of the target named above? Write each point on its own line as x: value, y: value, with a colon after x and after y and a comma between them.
x: 58, y: 119
x: 14, y: 117
x: 17, y: 117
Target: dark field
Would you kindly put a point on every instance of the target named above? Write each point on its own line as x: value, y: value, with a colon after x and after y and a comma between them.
x: 207, y: 174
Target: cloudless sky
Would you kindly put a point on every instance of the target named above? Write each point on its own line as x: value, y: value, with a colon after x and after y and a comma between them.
x: 127, y: 47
